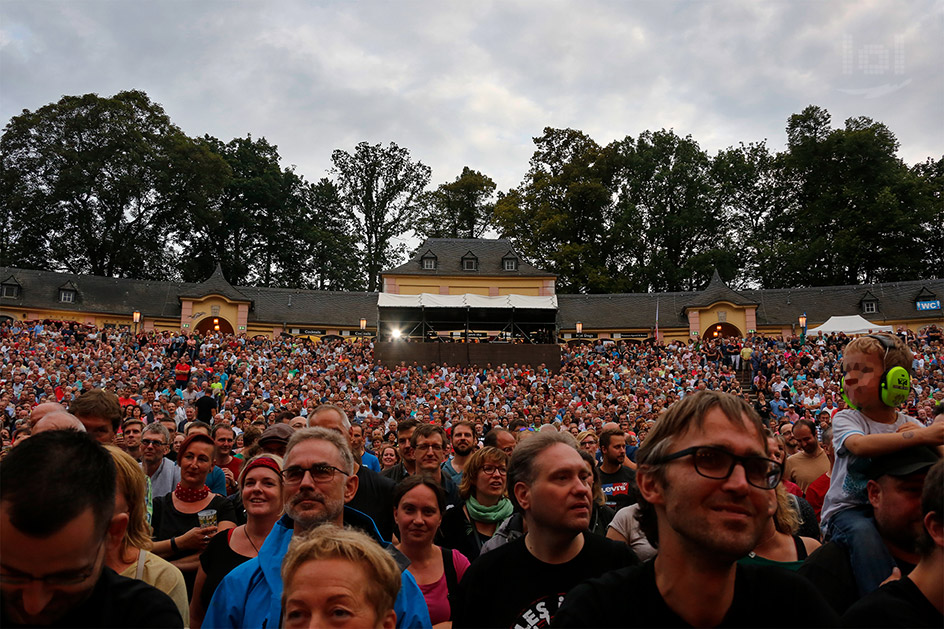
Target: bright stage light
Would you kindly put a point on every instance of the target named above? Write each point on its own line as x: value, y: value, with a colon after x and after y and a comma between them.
x: 396, y: 334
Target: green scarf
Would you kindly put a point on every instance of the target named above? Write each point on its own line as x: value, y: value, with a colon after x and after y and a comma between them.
x: 496, y: 513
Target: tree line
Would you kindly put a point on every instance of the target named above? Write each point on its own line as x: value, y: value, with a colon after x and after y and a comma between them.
x: 110, y: 186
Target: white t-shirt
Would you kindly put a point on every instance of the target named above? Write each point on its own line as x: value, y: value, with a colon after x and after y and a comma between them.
x: 847, y: 487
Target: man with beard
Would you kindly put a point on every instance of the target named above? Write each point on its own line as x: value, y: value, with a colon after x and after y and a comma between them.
x: 463, y: 445
x: 55, y: 529
x: 552, y: 485
x: 618, y: 481
x: 894, y: 493
x: 318, y: 480
x: 706, y: 489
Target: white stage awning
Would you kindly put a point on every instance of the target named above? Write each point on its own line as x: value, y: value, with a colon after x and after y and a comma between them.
x: 429, y: 300
x: 852, y: 324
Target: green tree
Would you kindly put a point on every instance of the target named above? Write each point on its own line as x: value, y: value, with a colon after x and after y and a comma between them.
x: 380, y: 187
x: 749, y: 191
x: 671, y: 229
x: 858, y: 211
x: 250, y: 226
x: 100, y: 185
x: 561, y: 214
x: 459, y: 209
x: 327, y: 253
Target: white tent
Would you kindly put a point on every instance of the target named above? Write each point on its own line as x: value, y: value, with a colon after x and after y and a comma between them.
x: 853, y: 324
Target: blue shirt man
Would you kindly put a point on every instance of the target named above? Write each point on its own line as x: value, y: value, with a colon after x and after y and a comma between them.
x: 318, y: 479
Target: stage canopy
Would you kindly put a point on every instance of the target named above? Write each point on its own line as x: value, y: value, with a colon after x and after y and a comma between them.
x: 852, y: 324
x: 430, y: 318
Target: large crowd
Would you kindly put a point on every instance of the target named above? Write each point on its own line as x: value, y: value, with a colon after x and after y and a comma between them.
x: 215, y: 445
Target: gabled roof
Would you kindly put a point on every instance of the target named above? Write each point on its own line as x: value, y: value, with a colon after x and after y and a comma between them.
x: 868, y: 296
x: 717, y: 291
x: 216, y: 284
x: 923, y: 295
x: 69, y: 285
x: 450, y: 252
x: 11, y: 280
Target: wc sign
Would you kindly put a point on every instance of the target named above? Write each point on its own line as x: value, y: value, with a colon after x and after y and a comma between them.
x: 929, y: 305
x: 873, y: 69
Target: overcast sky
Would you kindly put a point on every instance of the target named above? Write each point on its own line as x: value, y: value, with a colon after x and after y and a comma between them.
x: 472, y: 82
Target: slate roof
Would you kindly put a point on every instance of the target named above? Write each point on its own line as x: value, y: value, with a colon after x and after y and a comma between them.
x: 216, y: 284
x: 450, y: 251
x: 311, y: 307
x: 896, y: 301
x: 102, y: 295
x: 717, y: 291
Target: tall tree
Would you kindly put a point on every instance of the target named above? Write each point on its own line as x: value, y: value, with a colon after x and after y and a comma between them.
x: 327, y: 253
x: 250, y: 224
x: 672, y: 229
x: 459, y: 209
x: 99, y: 185
x: 858, y: 210
x: 380, y: 187
x: 561, y: 214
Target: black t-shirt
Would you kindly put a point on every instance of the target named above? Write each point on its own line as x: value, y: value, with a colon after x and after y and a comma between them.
x: 896, y: 604
x: 509, y: 587
x: 631, y: 593
x: 374, y: 497
x: 205, y: 406
x: 218, y: 560
x: 119, y: 602
x: 829, y: 570
x: 619, y: 487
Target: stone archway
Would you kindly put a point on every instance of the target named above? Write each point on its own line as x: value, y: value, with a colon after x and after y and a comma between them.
x: 722, y: 329
x: 208, y: 326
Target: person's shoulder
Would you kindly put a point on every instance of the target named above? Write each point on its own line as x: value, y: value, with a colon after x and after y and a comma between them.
x: 895, y: 604
x: 509, y: 553
x: 136, y: 603
x: 591, y: 603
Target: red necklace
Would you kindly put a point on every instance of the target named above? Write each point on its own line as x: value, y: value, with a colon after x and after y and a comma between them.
x: 185, y: 494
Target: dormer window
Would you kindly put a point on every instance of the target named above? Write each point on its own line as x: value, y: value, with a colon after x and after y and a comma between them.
x: 510, y: 264
x: 11, y: 291
x: 66, y: 295
x: 470, y: 262
x: 428, y: 261
x: 869, y: 303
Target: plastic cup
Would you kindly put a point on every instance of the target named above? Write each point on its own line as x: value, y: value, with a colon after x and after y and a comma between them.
x: 207, y: 518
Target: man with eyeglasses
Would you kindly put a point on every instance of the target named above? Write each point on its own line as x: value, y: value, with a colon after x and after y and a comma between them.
x: 428, y: 444
x: 54, y: 530
x: 318, y: 479
x: 164, y: 475
x: 706, y: 489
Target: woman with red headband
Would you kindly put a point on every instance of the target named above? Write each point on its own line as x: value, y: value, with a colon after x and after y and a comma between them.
x: 260, y: 482
x: 178, y: 536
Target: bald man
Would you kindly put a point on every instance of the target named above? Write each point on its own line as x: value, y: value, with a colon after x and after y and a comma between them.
x: 41, y: 410
x: 58, y: 420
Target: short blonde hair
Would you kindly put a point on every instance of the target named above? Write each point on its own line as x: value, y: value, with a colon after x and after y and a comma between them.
x: 898, y: 355
x: 332, y: 542
x: 132, y: 484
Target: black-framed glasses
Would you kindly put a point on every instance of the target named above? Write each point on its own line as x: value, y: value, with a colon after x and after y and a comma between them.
x: 717, y: 463
x: 491, y: 469
x: 157, y: 443
x: 320, y: 473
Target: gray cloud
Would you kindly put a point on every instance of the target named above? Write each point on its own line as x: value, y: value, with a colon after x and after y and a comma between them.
x: 470, y: 83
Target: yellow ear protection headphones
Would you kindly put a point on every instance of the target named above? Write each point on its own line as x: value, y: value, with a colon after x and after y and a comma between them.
x: 895, y: 384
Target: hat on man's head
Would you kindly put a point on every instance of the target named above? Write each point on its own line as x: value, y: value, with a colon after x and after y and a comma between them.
x: 901, y: 463
x: 277, y: 432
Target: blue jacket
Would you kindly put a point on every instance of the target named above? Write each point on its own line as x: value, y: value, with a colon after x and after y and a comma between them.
x: 251, y: 595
